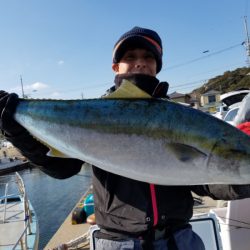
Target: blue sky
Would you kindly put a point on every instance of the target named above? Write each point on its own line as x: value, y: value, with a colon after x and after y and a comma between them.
x: 62, y: 49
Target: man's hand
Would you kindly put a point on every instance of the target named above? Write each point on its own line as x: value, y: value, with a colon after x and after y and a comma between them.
x: 31, y: 148
x: 8, y: 104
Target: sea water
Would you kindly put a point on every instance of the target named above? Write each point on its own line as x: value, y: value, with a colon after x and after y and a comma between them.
x: 51, y: 198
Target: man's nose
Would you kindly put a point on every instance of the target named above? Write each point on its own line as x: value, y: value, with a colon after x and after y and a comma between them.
x: 140, y: 63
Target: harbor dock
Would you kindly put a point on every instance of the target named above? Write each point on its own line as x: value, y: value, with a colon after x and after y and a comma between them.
x: 68, y: 232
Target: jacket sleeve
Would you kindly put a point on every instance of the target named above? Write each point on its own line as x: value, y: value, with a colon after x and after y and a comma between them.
x: 223, y: 192
x: 36, y: 152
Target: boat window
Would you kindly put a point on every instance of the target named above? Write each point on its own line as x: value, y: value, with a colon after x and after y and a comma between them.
x: 206, y: 229
x: 10, y: 199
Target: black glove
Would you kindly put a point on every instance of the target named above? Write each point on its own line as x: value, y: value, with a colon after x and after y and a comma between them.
x: 31, y: 148
x: 8, y: 104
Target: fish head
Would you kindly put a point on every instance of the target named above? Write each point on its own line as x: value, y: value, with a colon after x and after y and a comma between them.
x: 230, y: 156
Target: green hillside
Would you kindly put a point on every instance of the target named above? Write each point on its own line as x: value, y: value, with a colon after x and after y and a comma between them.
x: 229, y: 81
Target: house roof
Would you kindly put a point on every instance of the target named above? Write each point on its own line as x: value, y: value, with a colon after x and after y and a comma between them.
x: 177, y: 95
x: 211, y: 92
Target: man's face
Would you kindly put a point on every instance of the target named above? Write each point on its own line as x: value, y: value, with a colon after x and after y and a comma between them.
x: 136, y: 61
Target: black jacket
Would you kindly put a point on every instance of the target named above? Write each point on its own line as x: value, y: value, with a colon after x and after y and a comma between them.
x: 123, y: 205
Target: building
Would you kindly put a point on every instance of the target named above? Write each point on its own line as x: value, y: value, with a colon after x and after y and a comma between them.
x: 178, y: 97
x: 210, y: 100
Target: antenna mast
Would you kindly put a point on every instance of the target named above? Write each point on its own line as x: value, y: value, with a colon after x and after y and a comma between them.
x: 22, y: 85
x: 247, y: 42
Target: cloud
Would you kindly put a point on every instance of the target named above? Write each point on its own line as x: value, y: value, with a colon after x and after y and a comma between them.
x: 31, y: 87
x: 55, y: 94
x: 60, y: 62
x: 36, y: 86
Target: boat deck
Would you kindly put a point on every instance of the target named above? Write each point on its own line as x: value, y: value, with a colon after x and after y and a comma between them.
x: 13, y: 224
x: 18, y: 222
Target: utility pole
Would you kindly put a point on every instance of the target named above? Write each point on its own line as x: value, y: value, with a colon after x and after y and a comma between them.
x: 22, y: 85
x: 247, y: 42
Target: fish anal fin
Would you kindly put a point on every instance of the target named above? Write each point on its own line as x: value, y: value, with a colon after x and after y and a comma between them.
x: 52, y: 151
x: 56, y: 153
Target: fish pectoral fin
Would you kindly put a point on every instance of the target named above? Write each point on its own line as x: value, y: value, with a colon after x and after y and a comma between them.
x: 56, y: 153
x: 128, y: 90
x: 185, y: 152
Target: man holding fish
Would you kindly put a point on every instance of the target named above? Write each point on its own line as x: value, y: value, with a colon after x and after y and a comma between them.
x: 131, y: 214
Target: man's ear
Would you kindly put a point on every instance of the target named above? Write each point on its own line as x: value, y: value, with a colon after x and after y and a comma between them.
x: 115, y: 67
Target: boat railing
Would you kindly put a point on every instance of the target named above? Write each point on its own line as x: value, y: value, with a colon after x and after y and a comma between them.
x: 5, y: 201
x: 22, y: 241
x: 27, y: 215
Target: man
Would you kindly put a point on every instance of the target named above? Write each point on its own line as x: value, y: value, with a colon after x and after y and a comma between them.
x: 131, y: 214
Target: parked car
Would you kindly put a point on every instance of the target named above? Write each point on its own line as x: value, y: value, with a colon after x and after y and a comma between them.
x: 229, y: 101
x: 230, y: 115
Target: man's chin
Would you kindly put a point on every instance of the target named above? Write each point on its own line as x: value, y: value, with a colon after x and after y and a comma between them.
x: 141, y: 72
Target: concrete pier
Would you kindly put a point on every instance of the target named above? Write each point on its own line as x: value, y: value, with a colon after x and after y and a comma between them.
x: 68, y: 232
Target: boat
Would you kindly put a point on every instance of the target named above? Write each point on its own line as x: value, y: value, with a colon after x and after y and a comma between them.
x: 234, y: 223
x: 9, y: 166
x: 10, y: 159
x: 225, y: 225
x: 18, y: 221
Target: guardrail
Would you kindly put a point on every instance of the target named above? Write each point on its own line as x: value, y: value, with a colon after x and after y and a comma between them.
x: 27, y: 215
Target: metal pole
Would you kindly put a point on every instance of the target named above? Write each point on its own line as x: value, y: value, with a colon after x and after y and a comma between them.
x: 5, y: 201
x: 22, y: 85
x: 247, y: 44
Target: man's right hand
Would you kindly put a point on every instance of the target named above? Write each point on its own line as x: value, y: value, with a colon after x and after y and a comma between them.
x: 8, y: 104
x: 31, y: 148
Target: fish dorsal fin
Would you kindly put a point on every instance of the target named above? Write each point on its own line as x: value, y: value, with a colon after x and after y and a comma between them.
x: 128, y: 90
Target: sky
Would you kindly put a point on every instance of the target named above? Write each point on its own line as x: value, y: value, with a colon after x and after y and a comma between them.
x: 62, y: 49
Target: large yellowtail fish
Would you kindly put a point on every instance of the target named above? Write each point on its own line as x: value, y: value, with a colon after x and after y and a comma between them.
x: 150, y: 140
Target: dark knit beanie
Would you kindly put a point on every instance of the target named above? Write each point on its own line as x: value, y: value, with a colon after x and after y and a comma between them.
x: 139, y: 38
